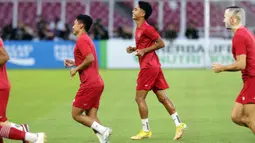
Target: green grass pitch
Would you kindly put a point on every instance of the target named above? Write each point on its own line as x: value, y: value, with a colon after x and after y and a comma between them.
x: 204, y: 100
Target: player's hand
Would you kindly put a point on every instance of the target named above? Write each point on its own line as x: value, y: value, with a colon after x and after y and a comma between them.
x: 69, y: 63
x: 217, y: 68
x: 130, y: 49
x: 73, y: 71
x: 140, y: 52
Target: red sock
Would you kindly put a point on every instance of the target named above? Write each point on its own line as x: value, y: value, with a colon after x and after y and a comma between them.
x: 11, y: 133
x: 1, y: 140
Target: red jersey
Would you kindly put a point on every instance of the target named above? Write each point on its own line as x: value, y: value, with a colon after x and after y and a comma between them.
x: 145, y: 37
x: 4, y: 82
x: 244, y: 43
x: 90, y: 76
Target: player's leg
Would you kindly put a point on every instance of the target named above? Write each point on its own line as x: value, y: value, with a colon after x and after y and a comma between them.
x: 168, y: 104
x: 3, y: 105
x: 143, y: 111
x: 249, y: 112
x: 159, y: 89
x: 15, y: 134
x: 85, y: 101
x: 22, y: 127
x: 97, y: 93
x: 248, y: 99
x: 81, y: 118
x: 163, y: 99
x: 141, y: 102
x: 11, y: 130
x: 1, y: 140
x: 238, y: 116
x: 93, y: 114
x: 245, y: 96
x: 82, y: 103
x: 145, y: 81
x: 90, y: 122
x: 4, y: 98
x: 143, y: 108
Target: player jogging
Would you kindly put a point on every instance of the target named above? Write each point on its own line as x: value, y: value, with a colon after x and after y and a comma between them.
x: 243, y: 49
x: 8, y: 129
x: 151, y: 76
x: 91, y: 88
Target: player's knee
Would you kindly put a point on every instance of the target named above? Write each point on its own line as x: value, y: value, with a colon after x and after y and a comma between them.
x: 236, y: 119
x: 75, y: 116
x: 139, y: 100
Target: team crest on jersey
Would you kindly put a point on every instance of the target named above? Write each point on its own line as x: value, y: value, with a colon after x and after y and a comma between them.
x: 139, y: 35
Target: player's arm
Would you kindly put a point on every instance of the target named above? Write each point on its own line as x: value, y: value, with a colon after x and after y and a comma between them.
x: 240, y: 50
x: 86, y: 63
x: 4, y: 57
x: 152, y: 34
x: 86, y: 52
x: 159, y: 43
x: 238, y: 65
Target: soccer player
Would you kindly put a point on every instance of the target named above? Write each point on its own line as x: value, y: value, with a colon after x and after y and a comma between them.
x: 243, y: 49
x: 91, y: 88
x: 8, y: 129
x: 151, y: 76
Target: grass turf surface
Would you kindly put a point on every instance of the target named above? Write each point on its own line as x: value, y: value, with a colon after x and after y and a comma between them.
x: 204, y: 100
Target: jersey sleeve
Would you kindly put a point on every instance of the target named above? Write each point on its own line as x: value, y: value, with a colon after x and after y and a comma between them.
x: 239, y: 45
x: 151, y: 33
x: 84, y: 47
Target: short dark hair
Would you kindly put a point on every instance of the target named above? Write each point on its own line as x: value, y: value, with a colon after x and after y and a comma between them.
x: 234, y: 7
x: 86, y: 20
x: 146, y: 7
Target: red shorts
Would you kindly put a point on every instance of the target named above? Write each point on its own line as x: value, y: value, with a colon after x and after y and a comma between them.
x: 4, y: 97
x: 151, y: 79
x: 87, y: 98
x: 247, y: 94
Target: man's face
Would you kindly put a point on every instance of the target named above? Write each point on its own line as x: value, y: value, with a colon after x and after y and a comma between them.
x: 138, y: 13
x: 228, y: 19
x: 76, y: 27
